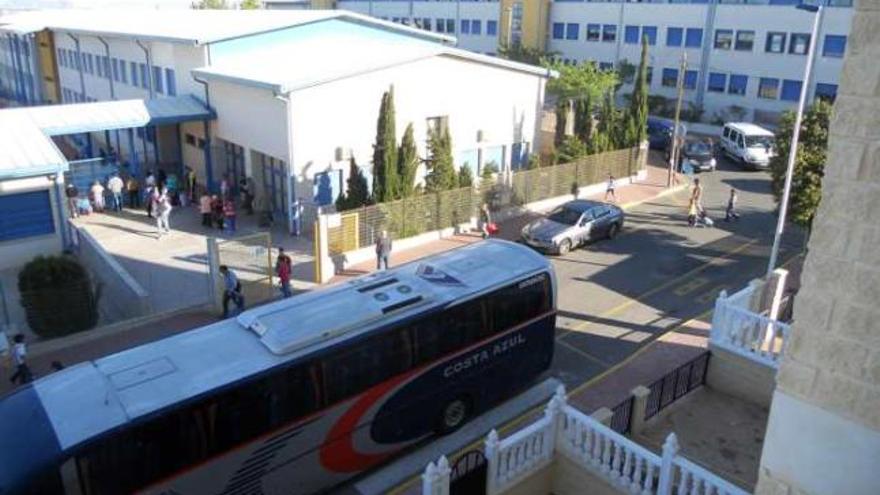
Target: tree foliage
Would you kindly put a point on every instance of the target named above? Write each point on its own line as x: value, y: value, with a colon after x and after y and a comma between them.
x: 638, y: 110
x: 356, y: 194
x: 407, y: 163
x: 583, y: 118
x: 210, y: 5
x: 525, y: 54
x: 441, y: 170
x: 570, y: 150
x: 57, y: 296
x: 581, y: 80
x: 250, y: 5
x: 465, y: 176
x: 562, y: 106
x: 809, y: 165
x: 385, y: 183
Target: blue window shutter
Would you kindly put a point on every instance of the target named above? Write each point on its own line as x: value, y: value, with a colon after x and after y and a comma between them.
x: 717, y: 81
x: 631, y: 35
x: 791, y: 90
x: 670, y: 77
x: 476, y: 26
x: 26, y: 215
x: 673, y: 36
x: 170, y: 82
x: 835, y: 46
x: 690, y: 79
x: 572, y: 31
x: 558, y: 30
x: 651, y: 33
x: 157, y: 79
x: 492, y: 28
x: 465, y: 26
x: 824, y: 90
x: 694, y: 38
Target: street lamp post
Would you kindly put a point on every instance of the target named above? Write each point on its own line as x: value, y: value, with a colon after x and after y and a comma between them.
x: 795, y: 135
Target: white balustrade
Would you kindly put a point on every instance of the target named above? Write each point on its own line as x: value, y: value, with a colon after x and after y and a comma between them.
x: 696, y: 480
x: 748, y: 334
x: 435, y: 479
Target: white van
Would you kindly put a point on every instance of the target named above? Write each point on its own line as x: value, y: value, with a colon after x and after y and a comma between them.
x: 750, y: 145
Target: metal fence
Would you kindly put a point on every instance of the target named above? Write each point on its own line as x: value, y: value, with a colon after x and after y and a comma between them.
x: 550, y: 182
x: 621, y: 416
x: 250, y: 257
x: 676, y: 384
x: 402, y: 218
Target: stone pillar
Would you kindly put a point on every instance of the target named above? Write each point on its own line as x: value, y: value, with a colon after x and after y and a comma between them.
x: 640, y: 404
x: 773, y: 291
x: 603, y: 415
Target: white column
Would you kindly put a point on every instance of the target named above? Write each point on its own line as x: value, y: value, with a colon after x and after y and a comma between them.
x: 667, y: 471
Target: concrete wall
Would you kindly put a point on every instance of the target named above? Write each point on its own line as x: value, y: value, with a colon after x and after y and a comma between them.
x: 122, y: 297
x: 824, y: 429
x: 571, y: 479
x: 739, y: 377
x: 19, y: 251
x: 251, y: 117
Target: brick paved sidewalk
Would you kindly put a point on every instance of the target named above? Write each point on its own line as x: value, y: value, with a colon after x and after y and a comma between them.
x: 628, y: 196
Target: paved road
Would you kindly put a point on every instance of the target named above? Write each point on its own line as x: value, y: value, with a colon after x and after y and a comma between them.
x: 615, y: 296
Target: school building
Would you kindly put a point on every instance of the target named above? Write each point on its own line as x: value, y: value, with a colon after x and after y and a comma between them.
x: 285, y: 98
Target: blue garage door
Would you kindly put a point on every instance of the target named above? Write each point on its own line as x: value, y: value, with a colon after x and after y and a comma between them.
x: 25, y: 215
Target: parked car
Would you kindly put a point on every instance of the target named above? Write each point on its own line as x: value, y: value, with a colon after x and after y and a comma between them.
x: 700, y: 155
x: 660, y: 132
x: 572, y: 225
x: 750, y: 145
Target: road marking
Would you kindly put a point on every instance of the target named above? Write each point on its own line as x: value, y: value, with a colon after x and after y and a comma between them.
x: 584, y: 353
x: 626, y: 304
x: 688, y: 287
x: 710, y: 295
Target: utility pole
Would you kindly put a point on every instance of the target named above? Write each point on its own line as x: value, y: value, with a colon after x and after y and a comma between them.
x: 673, y: 153
x: 509, y: 26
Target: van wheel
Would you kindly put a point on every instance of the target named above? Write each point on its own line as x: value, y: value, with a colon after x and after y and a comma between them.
x: 454, y: 414
x: 564, y: 247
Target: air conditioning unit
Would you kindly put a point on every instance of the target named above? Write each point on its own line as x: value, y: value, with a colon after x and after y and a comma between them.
x: 482, y: 136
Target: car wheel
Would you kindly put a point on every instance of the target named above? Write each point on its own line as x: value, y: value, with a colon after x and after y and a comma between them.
x: 613, y: 231
x: 564, y: 247
x: 454, y: 414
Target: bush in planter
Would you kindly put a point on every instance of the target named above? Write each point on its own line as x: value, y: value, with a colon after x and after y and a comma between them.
x: 57, y: 296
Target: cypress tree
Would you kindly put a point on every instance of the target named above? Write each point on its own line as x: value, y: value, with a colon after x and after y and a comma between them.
x: 385, y: 152
x: 465, y: 177
x: 441, y: 171
x: 561, y: 120
x: 407, y: 163
x: 638, y: 111
x: 356, y: 194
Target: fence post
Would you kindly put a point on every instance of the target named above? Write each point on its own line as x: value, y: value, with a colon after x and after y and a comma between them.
x: 325, y: 263
x: 667, y: 471
x: 429, y: 477
x: 215, y: 281
x: 718, y: 317
x: 640, y: 404
x: 553, y: 413
x: 443, y: 475
x: 491, y: 449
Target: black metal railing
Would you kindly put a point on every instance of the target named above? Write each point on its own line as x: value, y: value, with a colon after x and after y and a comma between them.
x: 676, y: 384
x: 621, y: 416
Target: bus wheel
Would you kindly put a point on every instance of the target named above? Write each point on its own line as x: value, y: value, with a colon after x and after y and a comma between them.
x: 454, y: 414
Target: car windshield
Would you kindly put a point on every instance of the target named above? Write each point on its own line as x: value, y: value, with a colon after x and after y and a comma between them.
x: 759, y: 141
x: 565, y: 216
x: 698, y: 148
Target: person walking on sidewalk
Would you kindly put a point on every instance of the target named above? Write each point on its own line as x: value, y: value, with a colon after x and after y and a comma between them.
x: 485, y: 221
x: 692, y: 213
x: 609, y: 189
x: 205, y: 209
x: 229, y: 216
x: 22, y: 373
x: 72, y: 194
x: 163, y: 211
x: 730, y: 213
x: 133, y: 188
x: 97, y: 193
x: 697, y: 195
x: 283, y: 267
x: 383, y: 250
x: 115, y: 185
x: 231, y: 290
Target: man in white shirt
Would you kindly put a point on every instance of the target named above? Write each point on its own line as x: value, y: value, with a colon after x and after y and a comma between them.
x: 22, y: 373
x: 115, y: 186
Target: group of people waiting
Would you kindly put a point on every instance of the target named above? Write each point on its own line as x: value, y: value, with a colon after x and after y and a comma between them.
x: 219, y: 210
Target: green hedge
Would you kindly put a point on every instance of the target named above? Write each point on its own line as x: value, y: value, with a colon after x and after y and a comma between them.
x: 57, y: 296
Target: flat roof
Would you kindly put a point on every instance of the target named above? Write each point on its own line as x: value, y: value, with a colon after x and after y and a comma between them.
x: 26, y: 146
x: 332, y: 49
x: 187, y: 26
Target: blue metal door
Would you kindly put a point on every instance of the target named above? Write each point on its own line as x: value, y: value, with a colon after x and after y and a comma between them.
x: 26, y: 215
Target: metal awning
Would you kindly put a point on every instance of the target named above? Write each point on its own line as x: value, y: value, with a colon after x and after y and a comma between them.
x: 57, y: 120
x: 26, y: 147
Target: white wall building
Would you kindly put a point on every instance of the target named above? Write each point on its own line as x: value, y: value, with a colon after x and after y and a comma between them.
x: 300, y: 88
x: 745, y: 58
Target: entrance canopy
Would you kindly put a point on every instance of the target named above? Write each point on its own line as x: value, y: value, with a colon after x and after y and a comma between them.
x: 26, y: 147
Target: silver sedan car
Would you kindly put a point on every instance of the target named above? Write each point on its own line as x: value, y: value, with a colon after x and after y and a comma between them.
x: 572, y: 225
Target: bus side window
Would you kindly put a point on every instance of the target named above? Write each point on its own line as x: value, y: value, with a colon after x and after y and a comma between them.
x: 518, y: 303
x: 366, y: 364
x: 439, y: 334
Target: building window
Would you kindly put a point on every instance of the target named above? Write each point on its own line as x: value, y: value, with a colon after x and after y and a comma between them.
x: 450, y: 26
x: 775, y: 43
x: 649, y: 76
x: 476, y: 27
x: 606, y: 66
x: 650, y: 32
x: 690, y: 79
x: 115, y: 64
x: 631, y: 35
x: 157, y: 80
x: 738, y: 84
x: 106, y: 66
x: 674, y: 36
x: 694, y: 38
x: 465, y: 26
x: 827, y: 92
x: 717, y: 82
x: 835, y: 46
x: 123, y: 71
x: 791, y: 90
x: 723, y: 39
x: 768, y: 88
x: 800, y: 43
x: 100, y: 66
x: 572, y: 31
x: 426, y: 24
x: 90, y: 64
x: 492, y: 28
x: 134, y: 74
x: 745, y: 41
x: 145, y: 77
x: 170, y: 82
x: 558, y: 30
x: 593, y: 32
x: 609, y: 32
x: 670, y: 78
